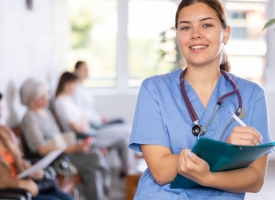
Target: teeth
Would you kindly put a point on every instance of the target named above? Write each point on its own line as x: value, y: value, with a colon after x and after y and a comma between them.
x: 198, y: 47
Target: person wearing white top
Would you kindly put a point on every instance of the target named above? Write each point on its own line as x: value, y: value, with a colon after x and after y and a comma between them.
x: 86, y: 101
x: 72, y: 117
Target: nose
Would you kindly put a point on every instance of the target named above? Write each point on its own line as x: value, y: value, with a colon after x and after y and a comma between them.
x: 196, y: 34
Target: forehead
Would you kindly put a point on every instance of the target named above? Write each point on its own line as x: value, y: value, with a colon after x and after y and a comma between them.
x: 196, y: 12
x: 83, y: 66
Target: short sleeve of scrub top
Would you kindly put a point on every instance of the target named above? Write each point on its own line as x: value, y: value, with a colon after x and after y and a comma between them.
x: 148, y: 127
x: 161, y: 118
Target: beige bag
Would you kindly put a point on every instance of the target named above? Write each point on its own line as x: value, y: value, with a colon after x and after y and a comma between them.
x: 62, y: 139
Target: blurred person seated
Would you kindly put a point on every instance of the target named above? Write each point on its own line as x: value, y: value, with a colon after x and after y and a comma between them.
x: 72, y: 117
x: 43, y: 135
x: 86, y: 101
x: 11, y: 164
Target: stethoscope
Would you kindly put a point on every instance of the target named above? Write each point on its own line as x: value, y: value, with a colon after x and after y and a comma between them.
x: 198, y: 129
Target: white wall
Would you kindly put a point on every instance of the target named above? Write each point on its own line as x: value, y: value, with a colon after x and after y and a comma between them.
x: 32, y: 44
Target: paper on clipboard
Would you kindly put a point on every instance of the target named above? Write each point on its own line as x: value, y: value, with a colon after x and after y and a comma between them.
x: 41, y: 164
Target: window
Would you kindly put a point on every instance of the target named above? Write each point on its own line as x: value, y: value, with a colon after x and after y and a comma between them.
x: 94, y: 39
x: 247, y: 47
x: 122, y: 40
x: 147, y: 20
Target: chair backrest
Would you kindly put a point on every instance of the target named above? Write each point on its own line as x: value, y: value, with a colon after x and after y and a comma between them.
x: 23, y: 145
x: 21, y: 140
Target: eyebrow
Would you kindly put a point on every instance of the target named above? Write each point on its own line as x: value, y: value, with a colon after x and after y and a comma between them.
x: 203, y: 19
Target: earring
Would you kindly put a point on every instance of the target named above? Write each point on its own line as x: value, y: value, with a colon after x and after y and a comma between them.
x: 225, y: 43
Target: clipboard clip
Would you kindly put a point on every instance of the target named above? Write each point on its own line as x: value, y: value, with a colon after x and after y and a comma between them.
x: 240, y: 148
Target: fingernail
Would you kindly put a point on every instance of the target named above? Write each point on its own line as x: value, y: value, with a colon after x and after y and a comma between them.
x: 190, y: 154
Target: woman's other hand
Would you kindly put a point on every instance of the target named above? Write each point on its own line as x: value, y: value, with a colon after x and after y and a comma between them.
x: 244, y: 135
x: 105, y: 120
x: 193, y: 167
x: 84, y: 146
x: 30, y: 186
x: 37, y: 175
x: 105, y: 151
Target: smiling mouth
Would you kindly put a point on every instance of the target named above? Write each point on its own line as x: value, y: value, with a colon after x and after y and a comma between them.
x: 198, y: 47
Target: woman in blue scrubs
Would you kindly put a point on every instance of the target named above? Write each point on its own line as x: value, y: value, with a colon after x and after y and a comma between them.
x: 162, y: 124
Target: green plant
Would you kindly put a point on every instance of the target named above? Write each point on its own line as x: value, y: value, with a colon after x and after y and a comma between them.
x: 169, y: 49
x: 269, y: 23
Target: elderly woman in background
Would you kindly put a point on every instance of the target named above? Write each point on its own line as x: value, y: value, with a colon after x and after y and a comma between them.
x: 43, y: 136
x: 12, y: 164
x: 72, y: 117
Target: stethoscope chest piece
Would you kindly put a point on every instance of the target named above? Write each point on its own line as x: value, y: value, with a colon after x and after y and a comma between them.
x: 196, y: 129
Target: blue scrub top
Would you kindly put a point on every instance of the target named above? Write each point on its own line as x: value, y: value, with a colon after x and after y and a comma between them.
x: 161, y: 118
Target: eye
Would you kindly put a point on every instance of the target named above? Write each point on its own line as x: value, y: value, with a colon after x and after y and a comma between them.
x: 184, y: 28
x: 207, y: 25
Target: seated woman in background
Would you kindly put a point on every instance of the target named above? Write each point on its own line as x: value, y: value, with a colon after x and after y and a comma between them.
x: 43, y: 136
x: 85, y: 100
x: 12, y: 164
x: 72, y: 117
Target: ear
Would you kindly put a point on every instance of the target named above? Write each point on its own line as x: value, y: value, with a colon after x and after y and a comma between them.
x: 227, y: 33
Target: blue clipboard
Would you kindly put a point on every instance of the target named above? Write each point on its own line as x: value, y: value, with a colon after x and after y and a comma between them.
x: 222, y: 156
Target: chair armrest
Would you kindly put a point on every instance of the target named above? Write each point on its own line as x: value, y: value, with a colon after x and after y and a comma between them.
x: 15, y: 194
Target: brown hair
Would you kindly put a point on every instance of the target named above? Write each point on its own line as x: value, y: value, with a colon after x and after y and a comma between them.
x: 219, y: 10
x: 78, y: 65
x: 65, y: 78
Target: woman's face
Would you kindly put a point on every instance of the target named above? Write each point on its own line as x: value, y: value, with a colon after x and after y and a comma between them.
x: 200, y: 34
x: 69, y: 87
x: 41, y: 101
x: 82, y: 72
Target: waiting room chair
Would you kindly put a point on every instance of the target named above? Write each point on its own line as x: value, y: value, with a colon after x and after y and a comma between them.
x: 66, y: 184
x: 15, y: 194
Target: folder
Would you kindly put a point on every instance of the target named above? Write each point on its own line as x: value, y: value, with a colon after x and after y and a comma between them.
x: 222, y: 156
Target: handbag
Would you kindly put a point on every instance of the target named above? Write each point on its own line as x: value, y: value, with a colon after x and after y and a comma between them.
x: 48, y: 183
x: 63, y: 166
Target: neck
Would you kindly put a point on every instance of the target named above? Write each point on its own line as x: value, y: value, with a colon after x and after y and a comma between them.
x: 202, y: 76
x: 64, y: 93
x: 80, y: 80
x: 36, y: 109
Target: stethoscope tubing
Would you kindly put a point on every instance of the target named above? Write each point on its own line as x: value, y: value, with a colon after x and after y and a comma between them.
x: 192, y: 112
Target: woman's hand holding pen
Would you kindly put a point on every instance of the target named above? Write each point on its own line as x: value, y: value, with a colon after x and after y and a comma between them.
x: 194, y: 168
x: 244, y: 135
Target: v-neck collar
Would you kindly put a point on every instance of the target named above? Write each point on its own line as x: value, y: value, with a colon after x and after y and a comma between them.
x: 222, y: 87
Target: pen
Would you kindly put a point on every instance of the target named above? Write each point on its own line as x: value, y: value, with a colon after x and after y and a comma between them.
x: 240, y: 121
x: 237, y: 118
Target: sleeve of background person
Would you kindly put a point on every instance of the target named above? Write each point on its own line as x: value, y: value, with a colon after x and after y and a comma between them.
x: 32, y: 133
x: 64, y: 110
x: 86, y: 101
x: 6, y: 180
